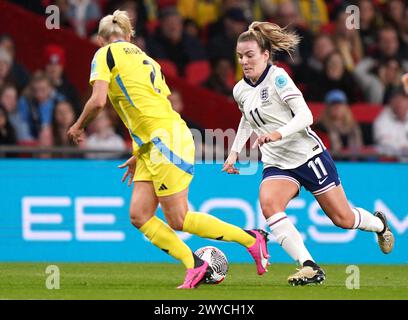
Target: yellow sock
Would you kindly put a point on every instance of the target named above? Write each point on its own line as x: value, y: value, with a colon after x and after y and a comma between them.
x: 162, y: 236
x: 207, y: 226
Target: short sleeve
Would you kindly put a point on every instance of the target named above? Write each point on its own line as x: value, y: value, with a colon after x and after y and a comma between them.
x: 99, y: 67
x: 284, y: 85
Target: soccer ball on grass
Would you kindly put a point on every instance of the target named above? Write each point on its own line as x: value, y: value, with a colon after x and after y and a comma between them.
x: 217, y: 261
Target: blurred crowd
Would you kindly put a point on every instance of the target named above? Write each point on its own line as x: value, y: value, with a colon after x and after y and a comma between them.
x: 335, y: 64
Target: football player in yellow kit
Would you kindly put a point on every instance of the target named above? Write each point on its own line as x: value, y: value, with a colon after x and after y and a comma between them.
x: 162, y: 164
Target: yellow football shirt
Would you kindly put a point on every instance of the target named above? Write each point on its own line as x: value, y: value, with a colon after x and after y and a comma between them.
x: 137, y: 90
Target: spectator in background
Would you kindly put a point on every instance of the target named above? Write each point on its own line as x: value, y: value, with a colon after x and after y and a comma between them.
x: 132, y: 8
x: 191, y: 28
x: 222, y: 45
x: 55, y: 135
x: 315, y: 13
x: 370, y: 22
x: 136, y: 10
x: 395, y: 13
x: 391, y: 127
x: 404, y: 33
x: 7, y: 134
x: 103, y: 136
x: 137, y: 19
x: 5, y: 67
x: 377, y: 81
x: 37, y: 104
x: 64, y: 13
x: 339, y: 124
x: 220, y: 77
x: 334, y: 76
x: 382, y: 68
x: 54, y: 69
x: 264, y: 9
x: 63, y: 117
x: 388, y: 46
x: 84, y: 16
x: 244, y: 5
x: 347, y: 41
x: 18, y: 73
x: 202, y: 12
x: 289, y: 16
x: 169, y: 42
x: 323, y: 46
x: 8, y: 99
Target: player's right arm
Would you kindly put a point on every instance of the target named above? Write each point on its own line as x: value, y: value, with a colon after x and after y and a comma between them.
x: 100, y: 79
x: 130, y: 164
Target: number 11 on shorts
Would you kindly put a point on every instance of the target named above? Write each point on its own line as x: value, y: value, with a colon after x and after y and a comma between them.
x: 314, y: 164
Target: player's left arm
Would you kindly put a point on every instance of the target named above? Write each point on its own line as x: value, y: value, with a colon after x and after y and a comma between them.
x: 291, y: 95
x: 92, y: 108
x: 302, y: 119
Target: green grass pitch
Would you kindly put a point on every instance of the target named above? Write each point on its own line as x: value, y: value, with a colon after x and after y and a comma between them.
x: 159, y: 281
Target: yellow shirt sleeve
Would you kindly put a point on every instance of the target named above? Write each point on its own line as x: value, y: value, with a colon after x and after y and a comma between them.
x: 99, y: 67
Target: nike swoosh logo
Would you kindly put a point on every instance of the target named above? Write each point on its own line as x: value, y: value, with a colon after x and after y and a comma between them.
x: 264, y: 260
x: 320, y: 182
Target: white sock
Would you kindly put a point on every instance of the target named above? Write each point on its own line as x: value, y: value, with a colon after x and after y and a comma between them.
x: 366, y: 221
x: 288, y: 237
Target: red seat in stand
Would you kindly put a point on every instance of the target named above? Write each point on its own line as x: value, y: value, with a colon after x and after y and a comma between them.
x: 197, y: 72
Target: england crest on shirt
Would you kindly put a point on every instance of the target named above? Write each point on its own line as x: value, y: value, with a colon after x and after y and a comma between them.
x: 264, y: 95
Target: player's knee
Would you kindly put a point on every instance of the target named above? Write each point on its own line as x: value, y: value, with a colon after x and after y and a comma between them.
x: 176, y: 223
x: 270, y: 207
x: 137, y: 221
x: 343, y: 221
x: 175, y: 216
x: 137, y: 218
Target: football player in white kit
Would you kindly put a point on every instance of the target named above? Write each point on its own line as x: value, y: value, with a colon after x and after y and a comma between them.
x: 292, y: 154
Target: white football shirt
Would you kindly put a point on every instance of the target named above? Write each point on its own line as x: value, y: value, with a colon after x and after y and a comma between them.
x: 266, y: 106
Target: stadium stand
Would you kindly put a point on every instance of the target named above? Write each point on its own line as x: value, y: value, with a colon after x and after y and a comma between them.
x: 209, y: 109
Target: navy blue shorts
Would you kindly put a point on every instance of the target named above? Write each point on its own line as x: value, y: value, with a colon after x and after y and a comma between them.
x: 318, y: 175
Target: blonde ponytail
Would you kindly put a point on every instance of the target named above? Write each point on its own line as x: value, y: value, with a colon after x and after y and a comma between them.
x: 271, y: 37
x: 117, y: 24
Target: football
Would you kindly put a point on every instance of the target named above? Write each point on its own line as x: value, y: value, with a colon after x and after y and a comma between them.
x: 217, y: 261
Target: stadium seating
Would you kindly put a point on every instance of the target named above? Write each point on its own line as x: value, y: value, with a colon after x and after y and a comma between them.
x: 366, y: 112
x: 168, y: 67
x: 197, y: 72
x: 201, y: 104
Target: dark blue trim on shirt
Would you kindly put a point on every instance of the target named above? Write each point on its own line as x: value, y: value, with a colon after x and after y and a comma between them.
x: 261, y: 78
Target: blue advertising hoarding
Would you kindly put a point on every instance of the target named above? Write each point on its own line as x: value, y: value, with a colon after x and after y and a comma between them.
x: 77, y: 211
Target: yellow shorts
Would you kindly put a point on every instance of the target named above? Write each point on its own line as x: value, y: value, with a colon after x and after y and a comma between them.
x: 168, y: 162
